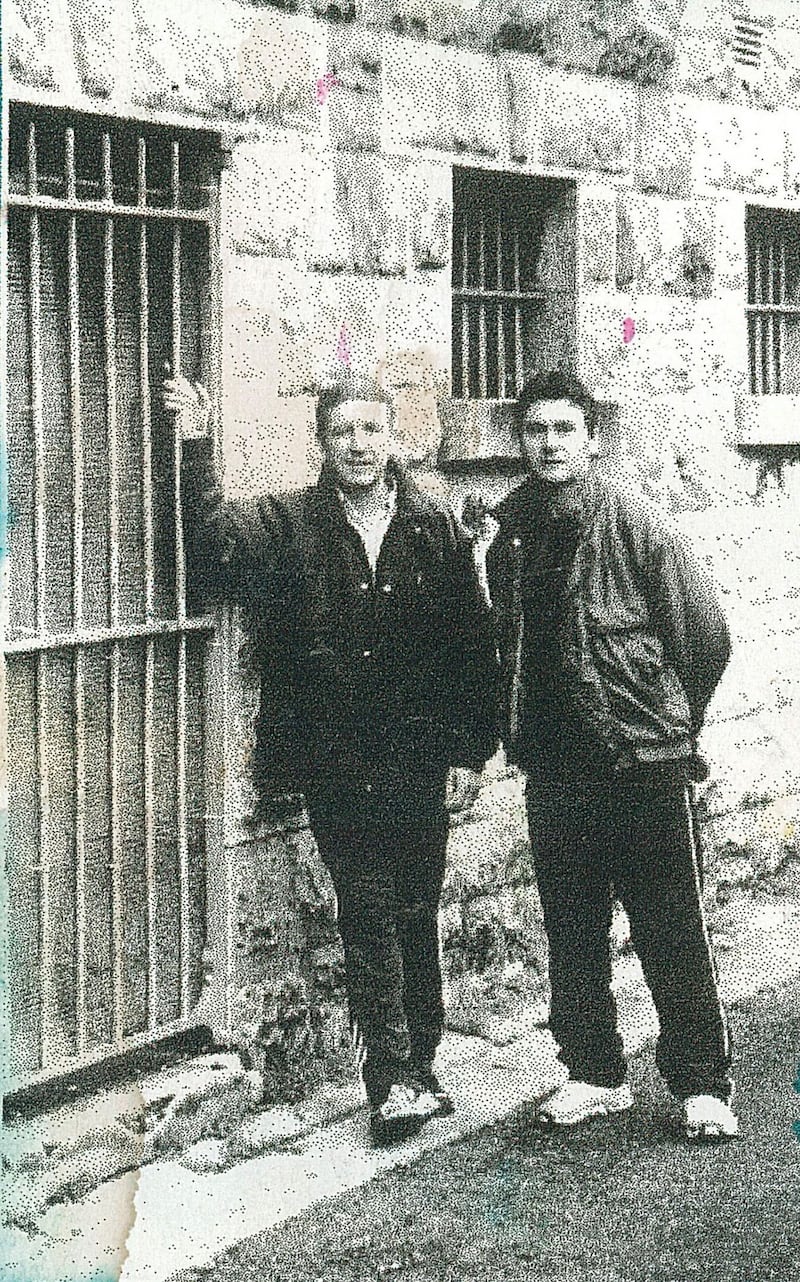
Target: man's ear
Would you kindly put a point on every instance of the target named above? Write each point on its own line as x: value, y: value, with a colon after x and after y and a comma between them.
x: 594, y: 445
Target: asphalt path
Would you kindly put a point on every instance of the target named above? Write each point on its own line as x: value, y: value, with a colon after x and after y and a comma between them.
x: 614, y: 1201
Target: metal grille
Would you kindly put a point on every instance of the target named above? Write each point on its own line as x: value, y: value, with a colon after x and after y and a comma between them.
x: 773, y: 300
x: 110, y: 251
x: 496, y: 235
x: 748, y: 39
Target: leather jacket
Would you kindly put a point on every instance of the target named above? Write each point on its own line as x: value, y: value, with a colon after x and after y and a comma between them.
x: 637, y: 641
x: 370, y: 688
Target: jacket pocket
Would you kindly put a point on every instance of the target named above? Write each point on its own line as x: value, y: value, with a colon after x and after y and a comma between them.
x: 644, y: 694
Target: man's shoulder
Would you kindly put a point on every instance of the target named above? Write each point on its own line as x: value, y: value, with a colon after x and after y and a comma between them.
x: 288, y: 509
x: 430, y: 510
x: 510, y: 510
x: 293, y: 502
x: 623, y: 500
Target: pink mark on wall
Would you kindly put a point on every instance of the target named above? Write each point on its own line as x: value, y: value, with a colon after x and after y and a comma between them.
x: 324, y: 86
x: 628, y: 330
x: 343, y: 347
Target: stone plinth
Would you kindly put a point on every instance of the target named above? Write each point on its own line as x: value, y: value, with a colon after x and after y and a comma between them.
x: 430, y: 207
x: 597, y: 232
x: 704, y: 52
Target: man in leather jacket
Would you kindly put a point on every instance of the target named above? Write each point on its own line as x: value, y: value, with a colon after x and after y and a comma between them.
x: 378, y: 703
x: 611, y: 644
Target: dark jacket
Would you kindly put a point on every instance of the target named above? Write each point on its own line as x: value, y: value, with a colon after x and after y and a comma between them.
x: 604, y: 623
x: 369, y: 691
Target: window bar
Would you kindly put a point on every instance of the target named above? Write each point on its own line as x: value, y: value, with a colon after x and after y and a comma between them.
x: 100, y: 636
x: 60, y: 204
x: 465, y: 389
x: 33, y: 177
x: 141, y: 172
x: 149, y: 833
x: 110, y: 342
x: 482, y: 390
x: 37, y: 410
x: 147, y: 440
x: 180, y: 568
x: 117, y: 936
x: 517, y: 318
x: 501, y: 337
x: 183, y: 836
x: 47, y: 981
x: 77, y: 598
x: 180, y: 595
x: 758, y: 324
x: 769, y: 352
x: 149, y: 681
x: 782, y: 319
x: 108, y: 187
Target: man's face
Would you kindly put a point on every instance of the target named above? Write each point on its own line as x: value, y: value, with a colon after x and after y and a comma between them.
x: 556, y: 444
x: 356, y: 444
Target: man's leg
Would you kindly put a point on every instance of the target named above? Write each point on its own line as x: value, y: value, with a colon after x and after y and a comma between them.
x: 658, y: 881
x: 364, y: 878
x: 567, y: 820
x: 420, y: 867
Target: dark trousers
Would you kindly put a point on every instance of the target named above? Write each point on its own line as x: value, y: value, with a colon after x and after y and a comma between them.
x: 388, y: 882
x: 596, y: 838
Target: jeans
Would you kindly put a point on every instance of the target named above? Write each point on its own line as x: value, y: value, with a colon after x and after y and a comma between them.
x: 388, y: 882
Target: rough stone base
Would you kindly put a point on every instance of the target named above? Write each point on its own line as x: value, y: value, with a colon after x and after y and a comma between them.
x: 63, y: 1154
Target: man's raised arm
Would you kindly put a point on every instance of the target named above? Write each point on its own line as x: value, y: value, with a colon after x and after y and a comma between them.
x: 228, y: 541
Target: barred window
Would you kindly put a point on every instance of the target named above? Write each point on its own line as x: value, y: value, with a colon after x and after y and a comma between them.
x: 748, y: 39
x: 748, y: 46
x: 497, y: 294
x: 111, y: 252
x: 773, y: 300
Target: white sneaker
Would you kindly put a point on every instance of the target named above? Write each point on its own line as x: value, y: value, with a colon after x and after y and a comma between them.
x: 707, y: 1119
x: 576, y: 1102
x: 403, y: 1113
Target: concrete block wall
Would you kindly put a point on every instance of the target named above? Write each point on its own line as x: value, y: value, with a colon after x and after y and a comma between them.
x: 335, y: 246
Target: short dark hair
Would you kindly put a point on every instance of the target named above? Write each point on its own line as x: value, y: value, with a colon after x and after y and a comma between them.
x: 555, y: 385
x: 343, y: 388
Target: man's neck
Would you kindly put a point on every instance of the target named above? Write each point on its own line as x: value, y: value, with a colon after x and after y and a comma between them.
x: 370, y: 500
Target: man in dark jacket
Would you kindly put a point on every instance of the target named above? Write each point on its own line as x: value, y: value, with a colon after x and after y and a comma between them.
x: 378, y: 697
x: 611, y: 644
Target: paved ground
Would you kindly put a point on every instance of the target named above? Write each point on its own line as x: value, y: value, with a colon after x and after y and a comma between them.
x: 624, y: 1201
x: 329, y: 1207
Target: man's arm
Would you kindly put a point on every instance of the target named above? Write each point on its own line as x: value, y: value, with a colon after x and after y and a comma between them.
x: 687, y: 617
x: 474, y: 656
x: 228, y: 541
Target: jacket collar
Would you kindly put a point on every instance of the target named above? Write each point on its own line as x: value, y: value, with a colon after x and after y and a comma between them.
x: 533, y: 505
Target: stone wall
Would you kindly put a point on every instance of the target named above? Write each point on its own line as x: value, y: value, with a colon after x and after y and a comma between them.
x: 337, y: 201
x: 342, y: 130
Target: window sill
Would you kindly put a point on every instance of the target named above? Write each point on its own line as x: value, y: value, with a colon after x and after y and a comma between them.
x: 769, y: 421
x: 478, y: 432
